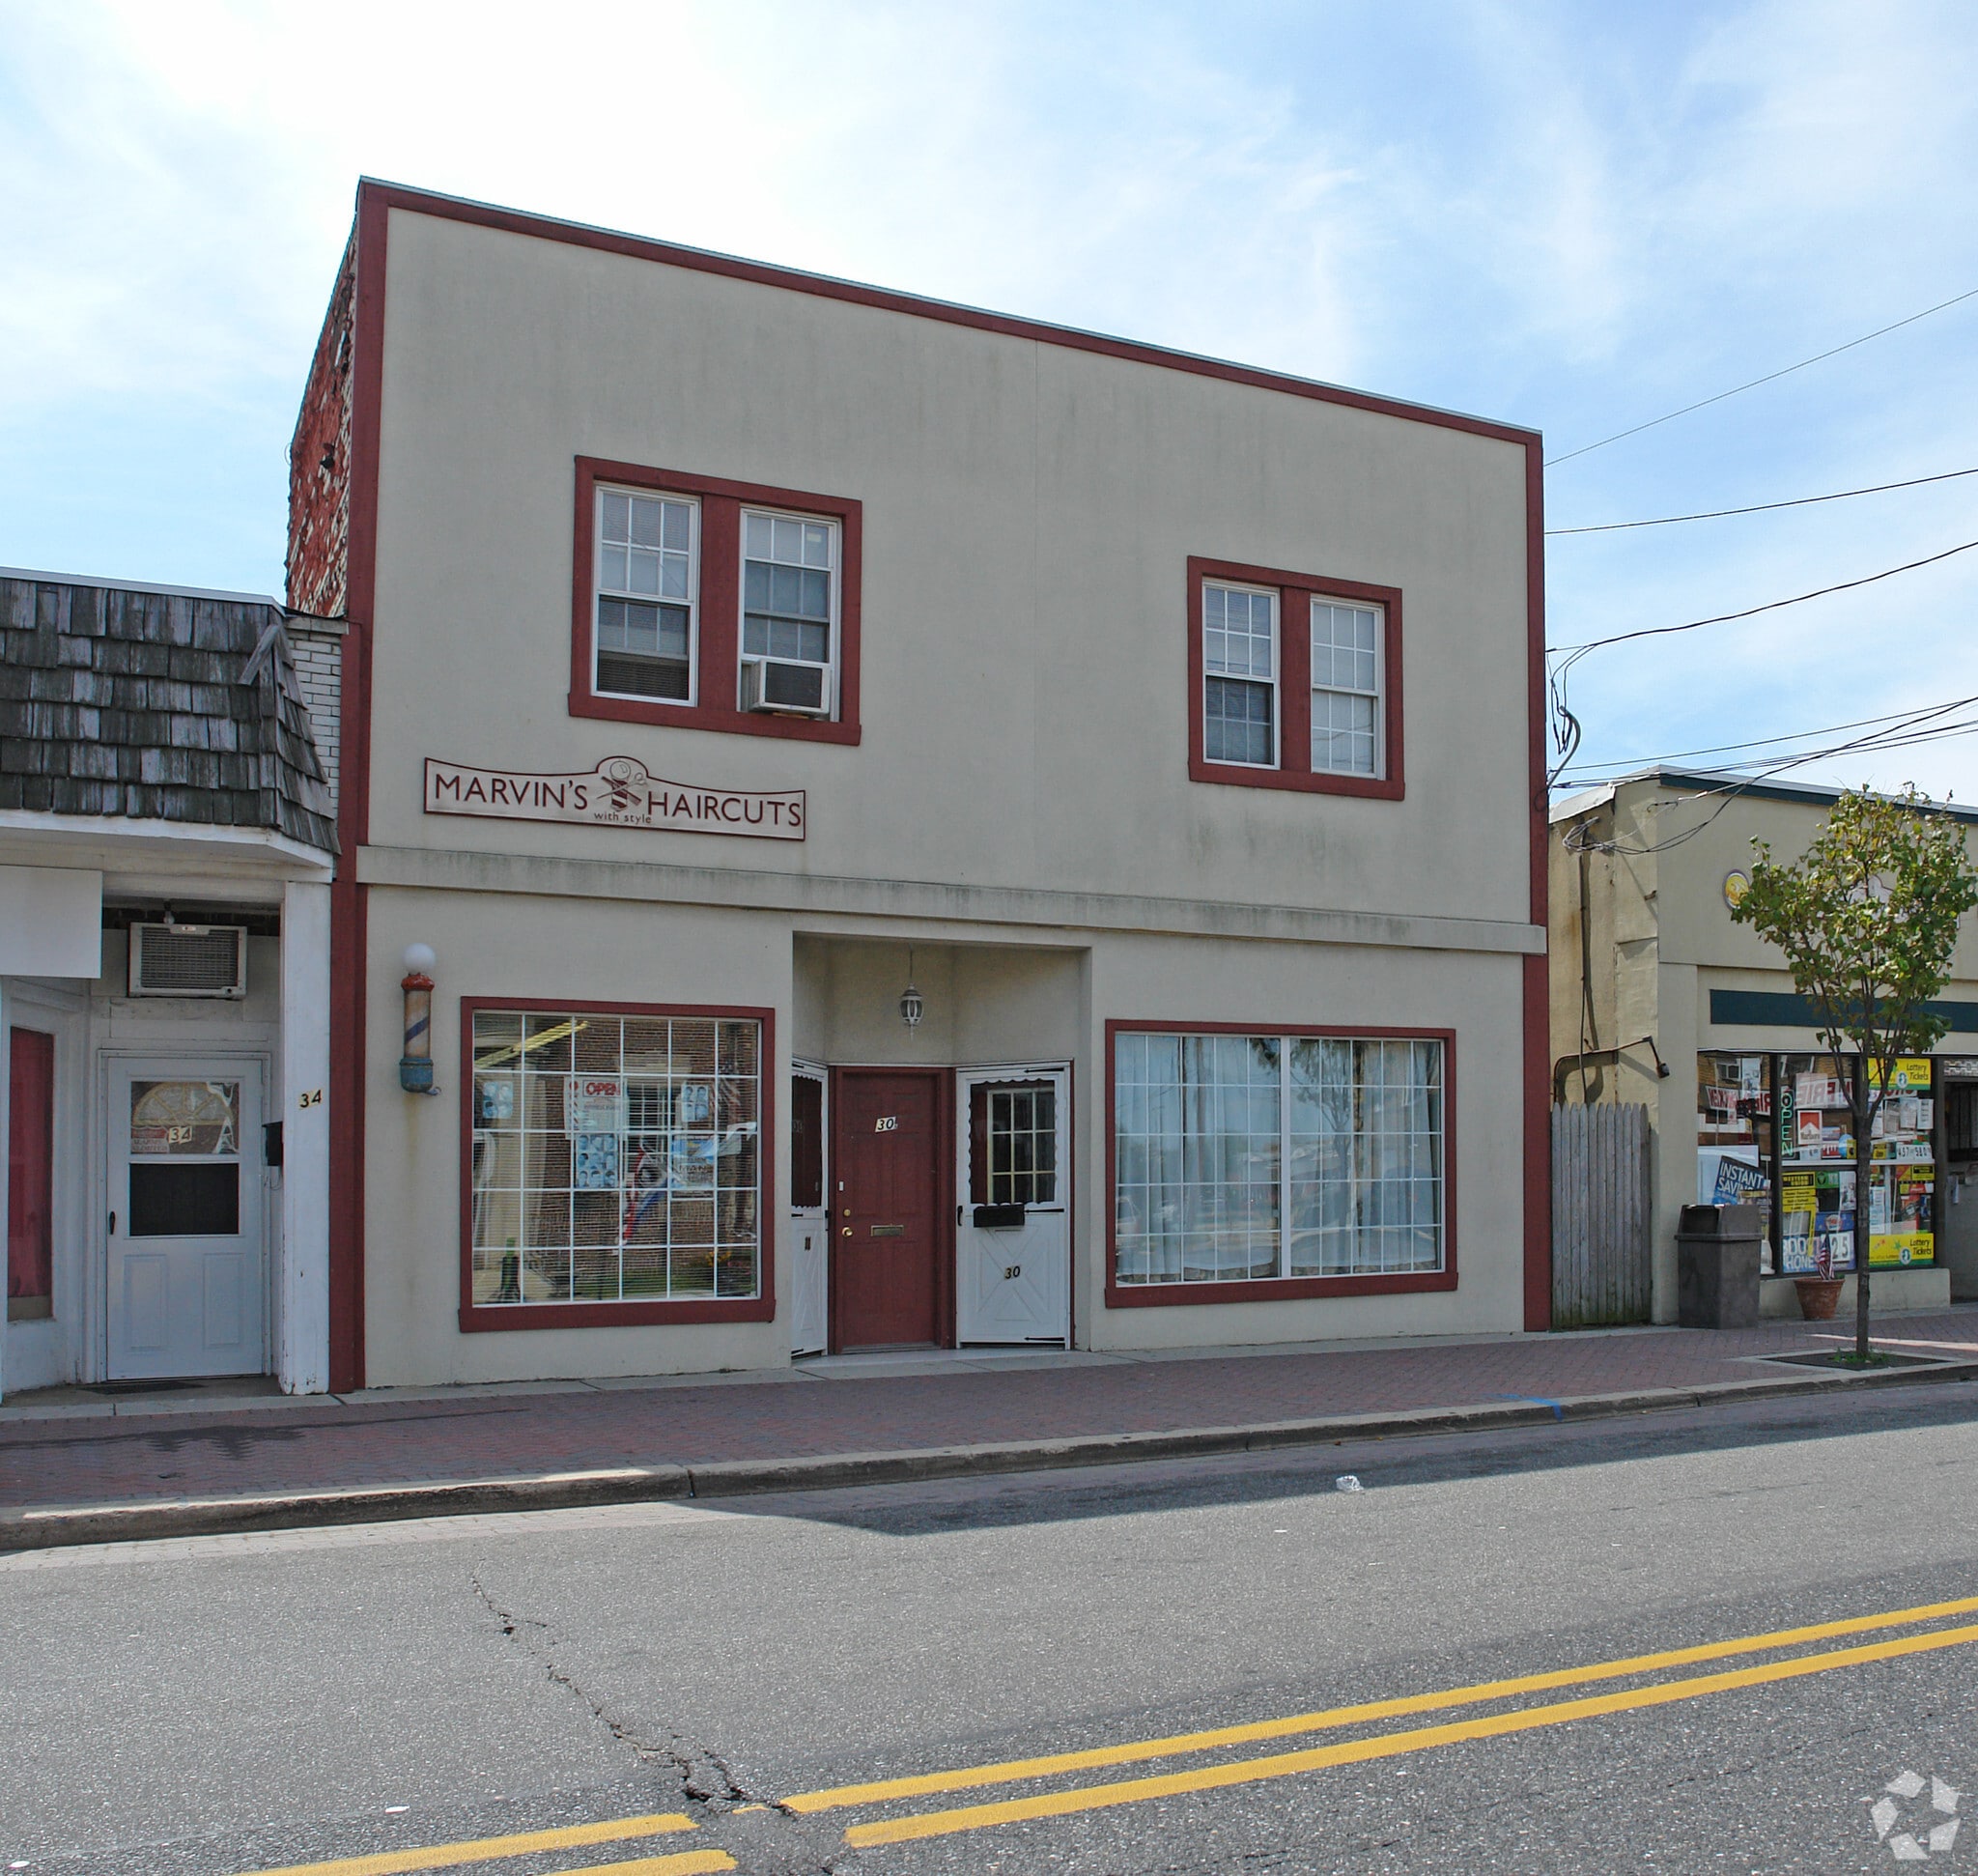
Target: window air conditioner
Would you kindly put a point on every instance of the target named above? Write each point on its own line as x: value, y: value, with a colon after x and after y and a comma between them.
x: 778, y: 684
x: 172, y: 960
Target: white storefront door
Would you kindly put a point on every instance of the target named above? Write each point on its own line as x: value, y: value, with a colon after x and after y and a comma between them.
x: 187, y: 1278
x: 1013, y: 1220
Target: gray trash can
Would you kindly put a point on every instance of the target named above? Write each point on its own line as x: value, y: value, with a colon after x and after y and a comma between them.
x: 1717, y: 1250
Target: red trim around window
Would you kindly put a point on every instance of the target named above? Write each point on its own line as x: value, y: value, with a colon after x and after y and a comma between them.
x: 718, y: 604
x: 1268, y: 1289
x: 760, y: 1308
x: 1294, y: 770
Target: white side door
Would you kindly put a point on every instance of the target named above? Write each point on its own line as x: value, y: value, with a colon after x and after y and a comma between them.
x: 186, y: 1279
x: 1013, y: 1219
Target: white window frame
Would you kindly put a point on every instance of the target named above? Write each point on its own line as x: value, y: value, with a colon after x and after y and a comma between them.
x: 1275, y: 682
x: 600, y: 592
x: 835, y: 529
x: 1378, y: 694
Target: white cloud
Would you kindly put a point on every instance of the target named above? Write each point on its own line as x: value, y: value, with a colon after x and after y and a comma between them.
x: 1577, y: 218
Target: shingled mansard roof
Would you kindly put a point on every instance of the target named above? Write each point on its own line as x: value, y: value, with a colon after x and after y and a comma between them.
x: 154, y: 705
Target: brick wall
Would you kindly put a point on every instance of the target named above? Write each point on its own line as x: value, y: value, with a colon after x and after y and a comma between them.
x: 317, y: 646
x: 319, y: 461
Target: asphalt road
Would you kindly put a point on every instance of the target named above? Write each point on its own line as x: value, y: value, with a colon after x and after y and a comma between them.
x: 214, y: 1705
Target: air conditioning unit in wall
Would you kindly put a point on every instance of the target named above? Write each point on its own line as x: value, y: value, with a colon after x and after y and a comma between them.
x: 174, y: 961
x: 782, y: 684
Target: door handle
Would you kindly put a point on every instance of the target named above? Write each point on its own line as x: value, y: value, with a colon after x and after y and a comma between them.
x: 113, y: 1224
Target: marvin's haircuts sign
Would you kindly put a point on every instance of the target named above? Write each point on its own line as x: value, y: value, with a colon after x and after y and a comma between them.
x: 619, y: 792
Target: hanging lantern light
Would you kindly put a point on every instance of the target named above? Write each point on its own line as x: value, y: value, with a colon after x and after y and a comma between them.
x: 910, y: 1004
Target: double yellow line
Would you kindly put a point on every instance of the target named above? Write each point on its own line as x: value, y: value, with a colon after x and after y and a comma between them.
x: 1381, y: 1746
x: 1226, y: 1773
x: 527, y: 1843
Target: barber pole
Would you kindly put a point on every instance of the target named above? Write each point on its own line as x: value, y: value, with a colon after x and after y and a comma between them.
x: 415, y: 1065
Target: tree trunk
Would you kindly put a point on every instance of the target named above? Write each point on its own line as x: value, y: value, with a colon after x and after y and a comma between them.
x: 1864, y: 1160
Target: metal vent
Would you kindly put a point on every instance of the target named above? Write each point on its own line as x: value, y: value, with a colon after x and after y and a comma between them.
x: 188, y: 960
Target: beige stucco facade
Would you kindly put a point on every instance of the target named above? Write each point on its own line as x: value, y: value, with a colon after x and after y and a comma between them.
x: 1645, y: 959
x: 1018, y: 808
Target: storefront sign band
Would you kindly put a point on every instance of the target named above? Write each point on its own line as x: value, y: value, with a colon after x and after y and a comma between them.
x: 619, y: 792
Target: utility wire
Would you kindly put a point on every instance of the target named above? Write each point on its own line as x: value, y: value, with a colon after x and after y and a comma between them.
x: 1762, y: 508
x: 1752, y: 384
x: 1901, y: 736
x: 1577, y: 651
x: 1732, y: 791
x: 1763, y: 742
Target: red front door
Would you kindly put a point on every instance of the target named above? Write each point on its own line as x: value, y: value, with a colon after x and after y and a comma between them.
x: 885, y: 1210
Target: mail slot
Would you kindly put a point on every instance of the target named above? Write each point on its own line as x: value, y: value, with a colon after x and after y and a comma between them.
x: 999, y: 1217
x: 889, y: 1231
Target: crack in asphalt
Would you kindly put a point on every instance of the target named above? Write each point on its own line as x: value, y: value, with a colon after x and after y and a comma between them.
x: 692, y: 1760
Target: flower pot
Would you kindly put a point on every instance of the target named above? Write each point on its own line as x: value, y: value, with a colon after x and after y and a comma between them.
x: 1819, y: 1296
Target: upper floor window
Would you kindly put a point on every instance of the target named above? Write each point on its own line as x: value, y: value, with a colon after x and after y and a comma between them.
x: 1239, y: 661
x: 1345, y: 688
x: 645, y: 596
x: 715, y: 605
x: 788, y: 612
x: 1294, y: 681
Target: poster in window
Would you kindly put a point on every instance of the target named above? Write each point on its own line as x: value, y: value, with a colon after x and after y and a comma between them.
x: 593, y: 1104
x: 597, y: 1162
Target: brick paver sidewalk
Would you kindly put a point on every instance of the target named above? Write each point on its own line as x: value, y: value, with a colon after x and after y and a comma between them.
x: 286, y: 1448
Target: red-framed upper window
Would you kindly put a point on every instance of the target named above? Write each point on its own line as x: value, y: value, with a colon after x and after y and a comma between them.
x: 714, y: 605
x: 1294, y: 681
x: 616, y: 1164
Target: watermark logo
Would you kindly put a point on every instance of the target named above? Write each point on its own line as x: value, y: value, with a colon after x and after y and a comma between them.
x: 1915, y: 1827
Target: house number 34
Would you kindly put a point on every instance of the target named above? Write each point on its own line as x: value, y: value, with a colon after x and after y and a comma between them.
x: 310, y: 1098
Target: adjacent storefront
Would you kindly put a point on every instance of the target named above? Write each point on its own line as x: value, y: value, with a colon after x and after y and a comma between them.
x: 1659, y: 999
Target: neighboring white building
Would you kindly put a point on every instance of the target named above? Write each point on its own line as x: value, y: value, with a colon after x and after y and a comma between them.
x: 1649, y: 972
x: 732, y: 650
x: 166, y: 851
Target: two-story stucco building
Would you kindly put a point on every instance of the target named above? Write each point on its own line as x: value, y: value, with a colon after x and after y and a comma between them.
x: 932, y: 829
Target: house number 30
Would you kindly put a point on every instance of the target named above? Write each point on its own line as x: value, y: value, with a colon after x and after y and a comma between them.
x: 1012, y: 1271
x: 887, y: 1123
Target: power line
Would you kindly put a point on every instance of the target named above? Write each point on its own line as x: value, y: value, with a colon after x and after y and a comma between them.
x: 1762, y: 508
x: 1734, y: 790
x: 1770, y: 606
x: 1767, y: 742
x: 1753, y: 385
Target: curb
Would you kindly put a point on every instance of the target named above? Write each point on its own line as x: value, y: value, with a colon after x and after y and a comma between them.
x: 61, y: 1527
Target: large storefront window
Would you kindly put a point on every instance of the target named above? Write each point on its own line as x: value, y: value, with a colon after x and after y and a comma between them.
x: 1805, y: 1174
x: 614, y: 1158
x: 1255, y: 1157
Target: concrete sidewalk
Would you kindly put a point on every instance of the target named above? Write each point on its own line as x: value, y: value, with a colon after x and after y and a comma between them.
x: 81, y: 1466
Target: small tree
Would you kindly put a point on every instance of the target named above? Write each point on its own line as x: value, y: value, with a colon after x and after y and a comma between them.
x: 1868, y: 918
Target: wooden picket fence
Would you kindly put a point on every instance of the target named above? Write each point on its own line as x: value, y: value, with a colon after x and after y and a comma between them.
x: 1601, y: 1216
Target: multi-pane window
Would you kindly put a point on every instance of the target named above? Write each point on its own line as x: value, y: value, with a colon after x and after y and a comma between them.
x: 1241, y: 1157
x: 645, y: 595
x: 788, y: 606
x: 614, y: 1158
x: 1239, y: 642
x: 1345, y: 688
x: 1014, y: 1144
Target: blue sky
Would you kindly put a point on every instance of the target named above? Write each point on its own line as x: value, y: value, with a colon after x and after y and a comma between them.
x: 1572, y: 217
